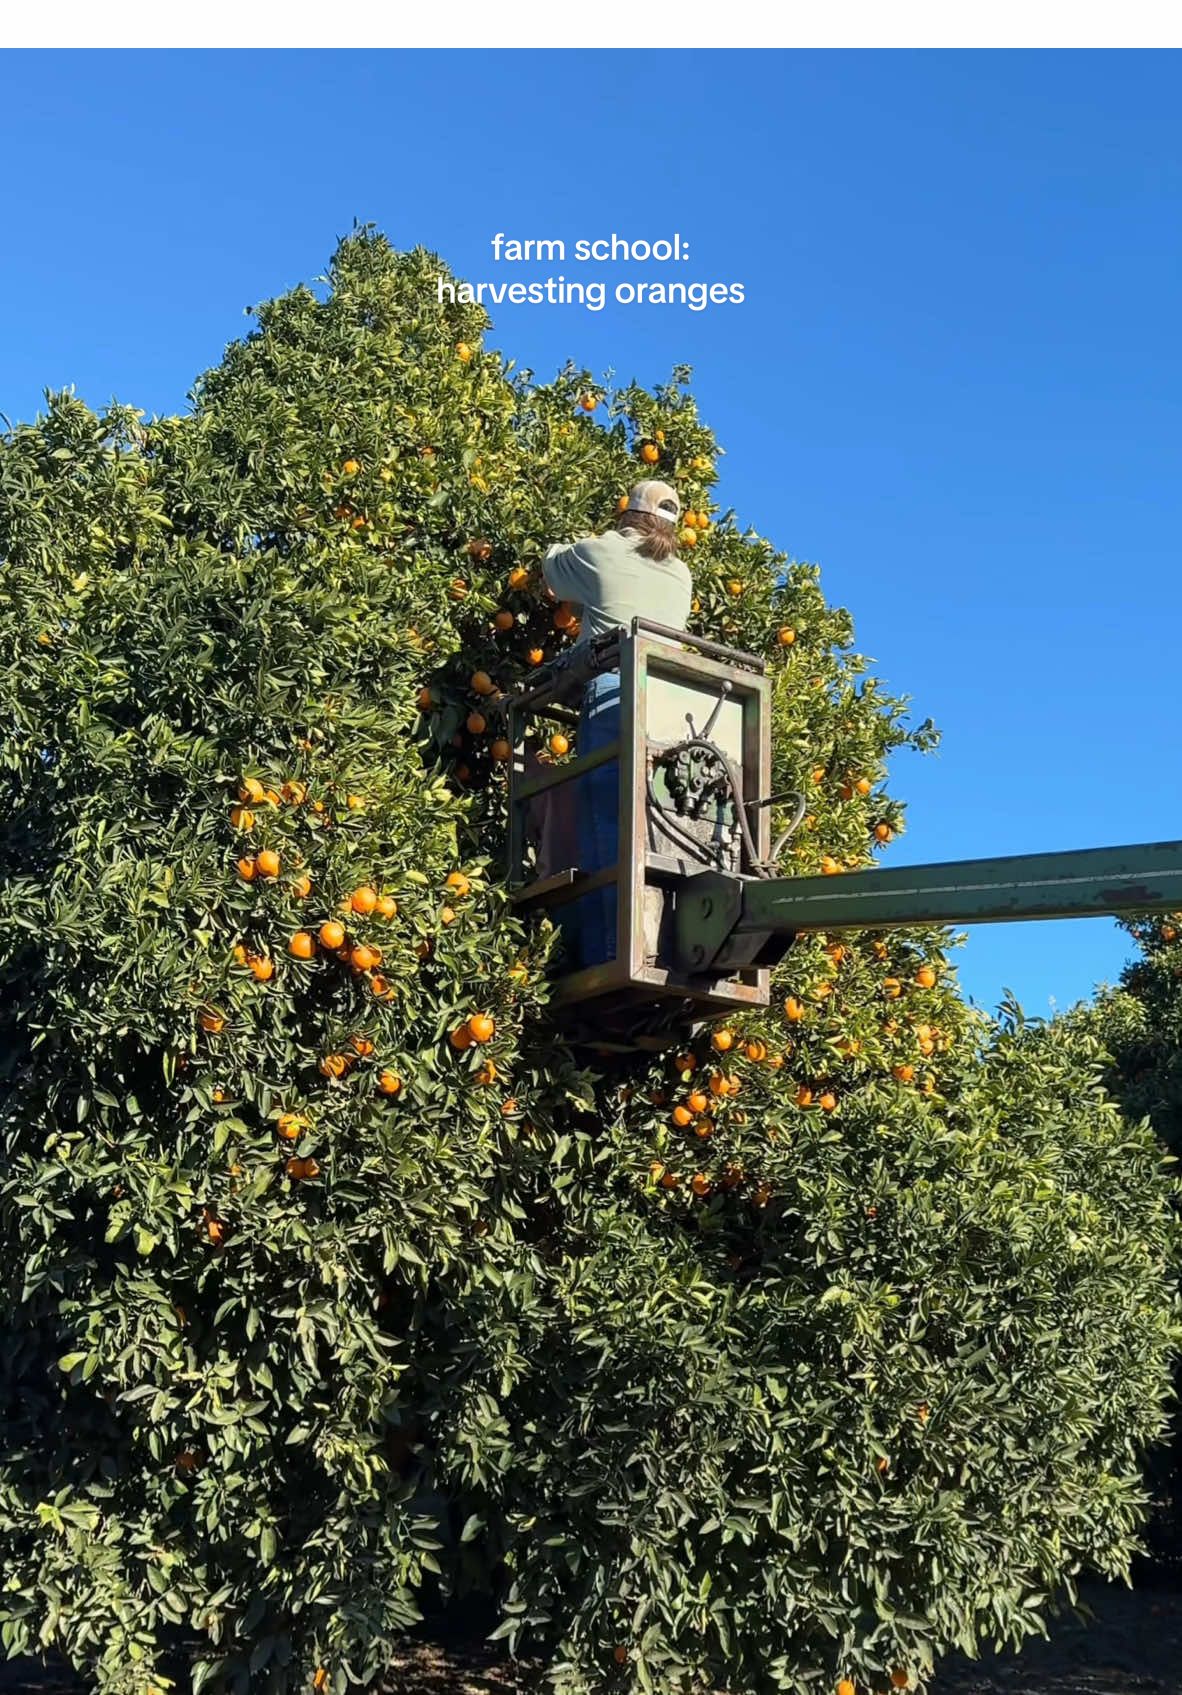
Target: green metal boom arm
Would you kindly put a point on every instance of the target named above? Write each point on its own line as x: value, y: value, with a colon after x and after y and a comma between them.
x: 729, y: 923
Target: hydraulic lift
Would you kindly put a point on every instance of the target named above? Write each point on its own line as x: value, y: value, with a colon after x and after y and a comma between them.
x: 701, y: 913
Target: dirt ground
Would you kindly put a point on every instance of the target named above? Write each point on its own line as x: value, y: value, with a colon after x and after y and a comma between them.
x: 1132, y: 1646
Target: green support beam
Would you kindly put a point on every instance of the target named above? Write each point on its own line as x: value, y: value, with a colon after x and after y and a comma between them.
x: 724, y: 923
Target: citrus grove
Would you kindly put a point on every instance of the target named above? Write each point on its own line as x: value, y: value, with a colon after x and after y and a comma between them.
x: 337, y: 1285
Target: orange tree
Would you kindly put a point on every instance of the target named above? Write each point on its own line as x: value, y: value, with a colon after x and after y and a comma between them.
x: 1134, y: 1031
x: 335, y: 1281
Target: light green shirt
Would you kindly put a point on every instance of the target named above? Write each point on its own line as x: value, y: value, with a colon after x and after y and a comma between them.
x: 611, y: 583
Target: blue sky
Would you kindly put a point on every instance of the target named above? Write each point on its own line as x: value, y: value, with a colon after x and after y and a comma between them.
x: 955, y: 381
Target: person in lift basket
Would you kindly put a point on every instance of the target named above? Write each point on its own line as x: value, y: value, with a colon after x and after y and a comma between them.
x: 631, y: 570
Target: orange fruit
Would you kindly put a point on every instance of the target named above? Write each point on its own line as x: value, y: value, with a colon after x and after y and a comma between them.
x: 735, y: 586
x: 836, y: 952
x: 903, y: 1073
x: 246, y: 870
x: 845, y: 1687
x: 424, y: 700
x: 685, y: 1062
x: 350, y: 468
x: 363, y: 899
x: 320, y: 1679
x: 290, y: 1126
x: 682, y: 1116
x: 242, y: 818
x: 302, y: 945
x: 480, y: 549
x: 267, y: 864
x: 892, y: 988
x: 650, y: 452
x: 688, y: 537
x: 476, y: 723
x: 211, y: 1020
x: 863, y: 785
x: 461, y: 1037
x: 756, y: 1051
x: 463, y: 352
x: 389, y: 1082
x: 559, y: 744
x: 899, y: 1678
x: 215, y: 1230
x: 459, y: 885
x: 302, y: 1168
x: 670, y: 1180
x: 447, y: 915
x: 722, y: 1040
x: 700, y: 1183
x: 804, y: 1096
x: 332, y: 935
x: 564, y: 616
x: 518, y: 577
x: 251, y: 789
x: 793, y: 1010
x: 481, y: 1027
x: 588, y: 402
x: 481, y: 683
x: 703, y: 1127
x: 302, y: 887
x: 536, y: 655
x: 361, y: 1046
x: 827, y: 1101
x: 883, y: 832
x: 830, y: 867
x: 926, y: 977
x: 622, y: 503
x: 620, y: 1655
x: 487, y: 1073
x: 698, y: 1102
x: 381, y: 987
x: 786, y: 635
x: 500, y: 749
x: 504, y: 621
x: 364, y: 958
x: 295, y: 793
x: 334, y: 1065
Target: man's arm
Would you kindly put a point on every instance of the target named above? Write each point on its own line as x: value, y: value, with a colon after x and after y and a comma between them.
x: 567, y: 574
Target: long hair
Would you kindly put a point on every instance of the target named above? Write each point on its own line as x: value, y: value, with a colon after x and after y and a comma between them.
x: 660, y: 538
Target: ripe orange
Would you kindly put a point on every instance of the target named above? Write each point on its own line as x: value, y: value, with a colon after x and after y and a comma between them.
x: 364, y: 958
x: 564, y: 615
x: 863, y: 785
x: 211, y: 1020
x: 334, y: 1064
x: 320, y: 1680
x: 688, y: 537
x: 487, y: 1073
x: 883, y: 832
x: 463, y: 352
x: 536, y: 655
x: 722, y: 1040
x: 424, y: 699
x: 682, y: 1116
x: 793, y: 1010
x: 845, y: 1687
x: 363, y: 899
x: 703, y: 1127
x: 480, y: 549
x: 459, y: 885
x: 302, y: 945
x: 756, y: 1050
x: 447, y: 915
x: 500, y: 749
x: 559, y: 744
x: 804, y: 1096
x: 246, y: 870
x: 294, y: 793
x: 836, y: 952
x: 298, y: 1169
x: 786, y: 635
x: 332, y: 935
x: 899, y: 1678
x: 350, y: 468
x: 476, y: 723
x: 215, y: 1230
x: 504, y: 621
x: 290, y: 1126
x: 386, y: 908
x: 518, y: 577
x: 251, y: 789
x: 461, y: 1037
x: 242, y: 818
x: 620, y: 1654
x: 650, y: 452
x: 700, y: 1183
x: 481, y: 1027
x: 698, y: 1102
x: 481, y: 683
x: 892, y: 988
x: 827, y: 1101
x: 926, y: 977
x: 735, y: 586
x: 381, y: 987
x: 830, y: 867
x: 588, y: 402
x: 389, y: 1082
x: 267, y: 863
x: 903, y: 1073
x: 302, y: 887
x: 776, y: 1061
x: 361, y: 1045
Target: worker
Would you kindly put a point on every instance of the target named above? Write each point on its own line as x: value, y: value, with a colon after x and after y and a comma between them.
x: 630, y: 571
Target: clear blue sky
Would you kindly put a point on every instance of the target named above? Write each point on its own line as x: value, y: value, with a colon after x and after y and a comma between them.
x: 955, y: 383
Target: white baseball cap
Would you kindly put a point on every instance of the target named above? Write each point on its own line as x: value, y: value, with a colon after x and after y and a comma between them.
x: 657, y: 498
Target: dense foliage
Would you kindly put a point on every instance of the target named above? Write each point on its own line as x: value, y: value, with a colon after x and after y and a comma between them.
x: 336, y: 1281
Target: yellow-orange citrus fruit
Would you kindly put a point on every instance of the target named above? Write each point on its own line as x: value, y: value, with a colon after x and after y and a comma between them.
x: 389, y: 1082
x: 459, y: 885
x: 559, y: 744
x: 302, y: 945
x: 211, y: 1020
x: 722, y: 1040
x: 332, y: 935
x: 246, y: 870
x: 267, y: 863
x: 926, y: 977
x: 363, y: 899
x: 650, y: 452
x: 793, y: 1009
x: 481, y: 1027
